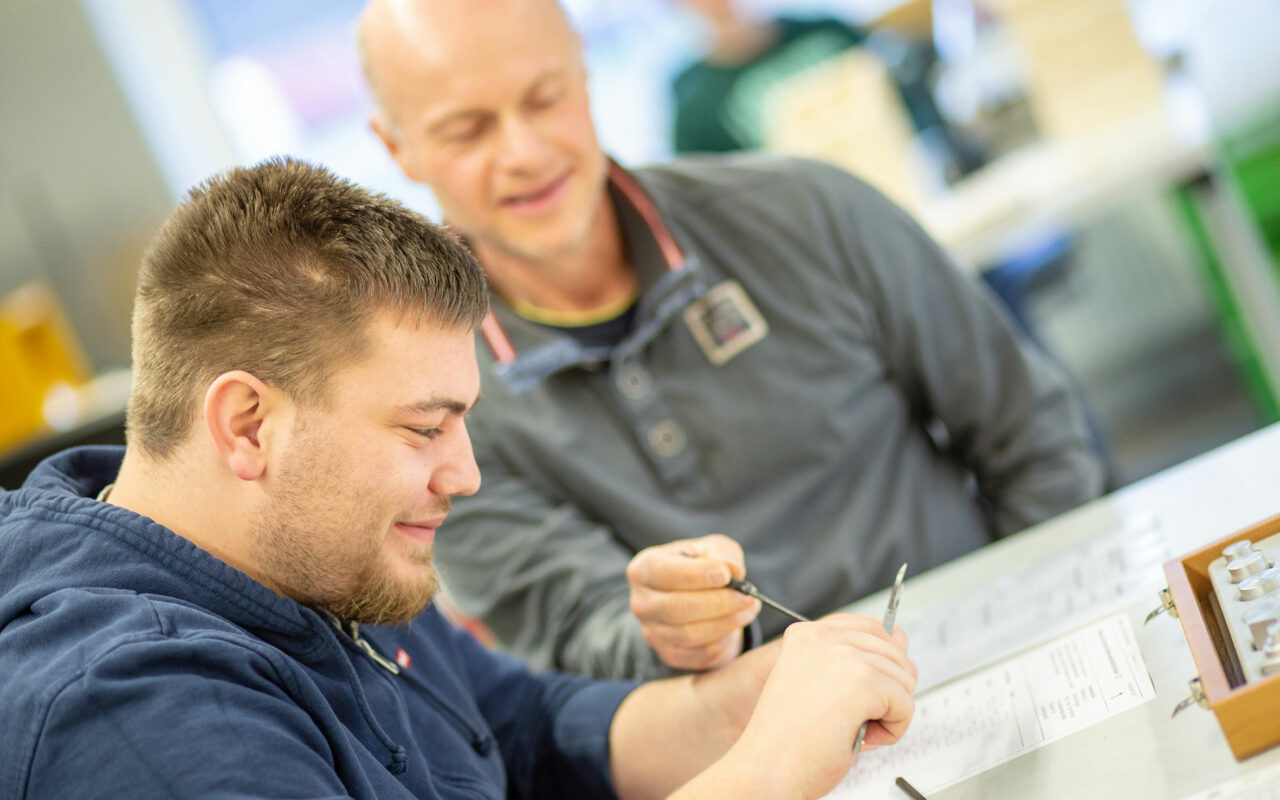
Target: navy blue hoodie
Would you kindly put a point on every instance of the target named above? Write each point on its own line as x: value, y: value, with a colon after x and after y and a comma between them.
x: 134, y: 664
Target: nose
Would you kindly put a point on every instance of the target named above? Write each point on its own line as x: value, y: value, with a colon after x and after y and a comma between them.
x: 522, y: 145
x: 457, y: 472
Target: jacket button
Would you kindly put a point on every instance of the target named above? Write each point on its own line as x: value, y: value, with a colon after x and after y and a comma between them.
x: 667, y: 438
x: 482, y: 744
x: 634, y: 381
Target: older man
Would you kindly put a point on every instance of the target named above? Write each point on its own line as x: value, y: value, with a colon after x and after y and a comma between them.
x: 761, y: 348
x: 218, y: 610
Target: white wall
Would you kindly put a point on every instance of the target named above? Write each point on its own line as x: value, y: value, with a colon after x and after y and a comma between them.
x: 79, y: 190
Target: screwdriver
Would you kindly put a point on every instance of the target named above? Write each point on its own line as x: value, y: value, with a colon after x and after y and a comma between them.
x: 749, y: 589
x: 890, y: 614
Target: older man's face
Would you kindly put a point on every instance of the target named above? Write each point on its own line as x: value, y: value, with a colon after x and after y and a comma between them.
x: 488, y: 105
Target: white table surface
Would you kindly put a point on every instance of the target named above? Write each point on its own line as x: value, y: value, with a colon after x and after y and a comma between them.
x: 1140, y: 753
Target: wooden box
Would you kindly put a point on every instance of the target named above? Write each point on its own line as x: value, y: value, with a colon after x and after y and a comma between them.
x: 1249, y: 713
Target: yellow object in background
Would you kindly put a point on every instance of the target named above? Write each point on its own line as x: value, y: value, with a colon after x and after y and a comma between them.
x: 1087, y: 71
x: 846, y: 111
x: 39, y: 358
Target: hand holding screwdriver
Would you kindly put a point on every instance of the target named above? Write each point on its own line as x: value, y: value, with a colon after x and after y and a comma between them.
x: 680, y: 593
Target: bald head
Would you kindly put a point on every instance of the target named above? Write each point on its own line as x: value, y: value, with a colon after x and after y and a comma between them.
x: 396, y: 37
x: 485, y: 101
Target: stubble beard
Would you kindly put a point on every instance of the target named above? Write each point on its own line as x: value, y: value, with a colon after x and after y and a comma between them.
x: 315, y: 547
x: 379, y: 599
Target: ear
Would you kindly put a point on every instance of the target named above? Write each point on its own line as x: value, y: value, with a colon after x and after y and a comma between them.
x: 247, y: 421
x: 386, y: 131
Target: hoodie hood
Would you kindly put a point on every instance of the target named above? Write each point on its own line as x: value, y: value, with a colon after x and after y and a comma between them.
x: 57, y: 538
x: 54, y: 535
x: 131, y: 658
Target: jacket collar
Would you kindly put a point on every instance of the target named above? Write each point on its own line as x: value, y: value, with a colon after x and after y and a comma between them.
x: 526, y: 353
x: 76, y: 538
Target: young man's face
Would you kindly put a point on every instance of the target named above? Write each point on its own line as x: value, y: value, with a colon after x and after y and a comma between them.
x: 490, y: 108
x: 355, y: 499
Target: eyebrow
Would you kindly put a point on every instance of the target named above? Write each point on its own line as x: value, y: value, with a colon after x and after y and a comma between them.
x: 436, y: 126
x: 430, y: 406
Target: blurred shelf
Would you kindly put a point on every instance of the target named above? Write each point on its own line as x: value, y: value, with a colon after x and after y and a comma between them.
x: 1054, y: 184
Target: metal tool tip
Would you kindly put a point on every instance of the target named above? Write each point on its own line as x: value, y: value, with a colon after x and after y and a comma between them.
x: 902, y: 573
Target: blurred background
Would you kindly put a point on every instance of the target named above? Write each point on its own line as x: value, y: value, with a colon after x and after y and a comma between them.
x: 1111, y: 168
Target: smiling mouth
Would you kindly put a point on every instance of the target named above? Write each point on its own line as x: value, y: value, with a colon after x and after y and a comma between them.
x: 537, y: 199
x: 424, y: 532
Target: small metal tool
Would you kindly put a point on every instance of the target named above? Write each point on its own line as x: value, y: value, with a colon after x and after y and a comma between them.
x: 1166, y: 604
x: 1197, y: 698
x: 890, y: 614
x: 749, y: 589
x: 911, y: 791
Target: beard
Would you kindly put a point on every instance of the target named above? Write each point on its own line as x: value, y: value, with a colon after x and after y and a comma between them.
x: 315, y: 545
x: 379, y: 599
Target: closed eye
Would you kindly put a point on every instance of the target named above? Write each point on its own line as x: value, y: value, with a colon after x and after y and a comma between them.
x: 465, y: 128
x: 467, y: 134
x: 426, y: 433
x: 544, y: 101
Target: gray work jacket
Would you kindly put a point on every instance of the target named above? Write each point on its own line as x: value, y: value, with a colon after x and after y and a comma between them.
x: 888, y: 414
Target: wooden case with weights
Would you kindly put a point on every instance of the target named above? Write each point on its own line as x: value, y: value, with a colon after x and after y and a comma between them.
x: 1227, y: 596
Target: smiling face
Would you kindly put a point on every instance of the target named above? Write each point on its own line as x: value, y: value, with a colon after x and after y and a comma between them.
x: 486, y: 102
x: 365, y: 481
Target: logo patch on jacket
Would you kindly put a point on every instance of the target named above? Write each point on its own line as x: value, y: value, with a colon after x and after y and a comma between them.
x: 402, y: 658
x: 724, y: 322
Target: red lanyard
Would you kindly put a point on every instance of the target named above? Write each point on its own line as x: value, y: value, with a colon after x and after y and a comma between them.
x: 495, y: 336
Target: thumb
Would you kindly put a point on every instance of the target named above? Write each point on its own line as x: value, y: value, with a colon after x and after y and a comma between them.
x: 724, y: 549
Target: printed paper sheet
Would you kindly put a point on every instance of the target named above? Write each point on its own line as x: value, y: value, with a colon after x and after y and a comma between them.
x: 1055, y: 595
x: 1008, y: 709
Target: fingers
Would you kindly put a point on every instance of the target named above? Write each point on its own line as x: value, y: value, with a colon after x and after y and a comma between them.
x: 845, y: 619
x: 699, y: 633
x: 830, y: 677
x: 685, y: 608
x: 900, y: 637
x: 688, y: 565
x: 685, y: 613
x: 721, y: 548
x: 669, y: 571
x: 881, y: 733
x: 870, y: 663
x: 869, y: 654
x: 887, y: 682
x: 867, y: 632
x: 856, y: 622
x: 891, y: 724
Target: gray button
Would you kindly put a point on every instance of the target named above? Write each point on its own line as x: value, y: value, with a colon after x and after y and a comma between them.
x: 634, y: 381
x: 667, y: 438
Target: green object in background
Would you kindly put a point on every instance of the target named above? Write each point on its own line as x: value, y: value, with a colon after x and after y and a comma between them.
x: 1253, y: 159
x: 1251, y: 170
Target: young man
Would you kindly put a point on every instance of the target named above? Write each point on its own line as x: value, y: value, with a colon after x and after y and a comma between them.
x: 222, y: 608
x: 758, y: 347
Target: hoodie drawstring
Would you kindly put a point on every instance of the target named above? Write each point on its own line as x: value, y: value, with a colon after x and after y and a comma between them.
x: 399, y: 757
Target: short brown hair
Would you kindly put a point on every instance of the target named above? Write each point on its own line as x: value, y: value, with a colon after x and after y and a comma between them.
x: 278, y: 269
